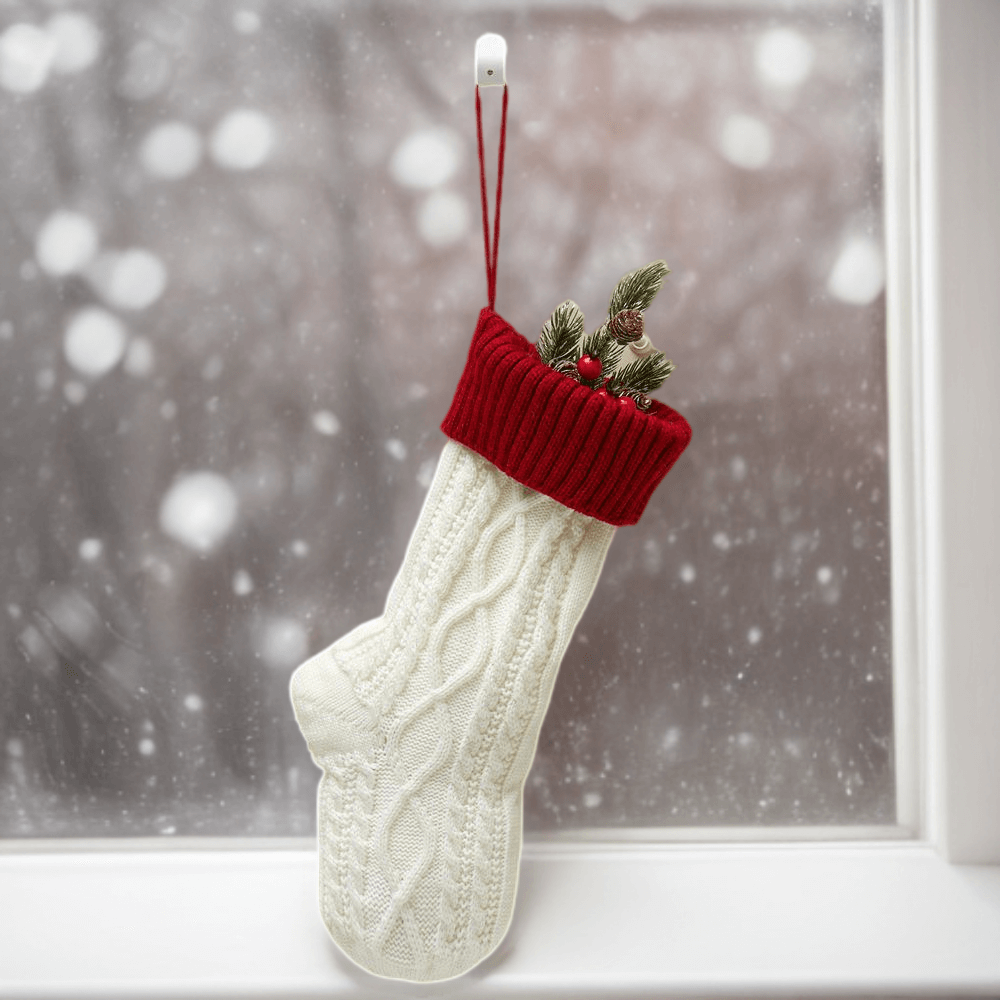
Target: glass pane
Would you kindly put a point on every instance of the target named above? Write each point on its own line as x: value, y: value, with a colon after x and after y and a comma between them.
x: 242, y: 264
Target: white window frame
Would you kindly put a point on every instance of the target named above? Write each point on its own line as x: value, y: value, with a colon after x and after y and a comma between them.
x: 915, y: 914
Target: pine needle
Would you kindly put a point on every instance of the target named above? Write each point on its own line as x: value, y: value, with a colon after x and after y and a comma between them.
x: 645, y: 374
x: 638, y: 288
x: 561, y: 333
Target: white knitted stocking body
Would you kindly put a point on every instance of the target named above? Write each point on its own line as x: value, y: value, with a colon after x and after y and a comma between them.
x: 425, y: 721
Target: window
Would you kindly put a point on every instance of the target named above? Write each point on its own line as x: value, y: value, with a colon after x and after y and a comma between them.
x: 889, y: 918
x: 246, y: 281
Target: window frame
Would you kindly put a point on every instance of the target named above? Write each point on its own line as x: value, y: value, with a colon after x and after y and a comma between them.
x: 916, y: 913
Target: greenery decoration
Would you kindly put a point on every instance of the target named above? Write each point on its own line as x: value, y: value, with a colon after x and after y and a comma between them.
x: 617, y: 358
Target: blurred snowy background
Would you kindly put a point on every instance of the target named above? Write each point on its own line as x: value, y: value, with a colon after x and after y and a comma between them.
x: 241, y: 263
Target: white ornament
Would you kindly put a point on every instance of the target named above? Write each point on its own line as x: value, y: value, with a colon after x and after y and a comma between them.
x: 635, y: 351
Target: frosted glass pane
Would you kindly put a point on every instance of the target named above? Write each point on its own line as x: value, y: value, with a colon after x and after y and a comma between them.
x: 242, y: 262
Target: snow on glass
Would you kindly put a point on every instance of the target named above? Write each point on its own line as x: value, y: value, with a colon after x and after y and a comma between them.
x: 94, y: 341
x: 171, y: 151
x: 242, y: 140
x: 65, y: 243
x: 427, y: 160
x: 199, y: 510
x: 130, y: 279
x: 67, y: 43
x: 229, y: 335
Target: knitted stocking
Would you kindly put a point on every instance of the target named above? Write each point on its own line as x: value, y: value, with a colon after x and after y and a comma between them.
x: 425, y: 720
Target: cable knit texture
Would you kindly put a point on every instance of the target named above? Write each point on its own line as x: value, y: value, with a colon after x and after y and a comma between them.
x: 593, y: 453
x: 425, y: 721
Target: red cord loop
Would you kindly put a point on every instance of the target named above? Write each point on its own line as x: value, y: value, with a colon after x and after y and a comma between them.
x: 491, y: 259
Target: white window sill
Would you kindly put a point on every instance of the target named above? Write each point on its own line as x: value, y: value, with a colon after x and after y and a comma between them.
x: 629, y: 921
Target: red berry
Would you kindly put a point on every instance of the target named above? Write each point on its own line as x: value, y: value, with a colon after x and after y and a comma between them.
x: 589, y: 368
x: 625, y: 400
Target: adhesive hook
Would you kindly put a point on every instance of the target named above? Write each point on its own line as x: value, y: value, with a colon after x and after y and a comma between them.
x: 491, y: 60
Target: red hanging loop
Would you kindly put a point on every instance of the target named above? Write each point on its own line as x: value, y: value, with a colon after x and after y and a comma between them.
x: 491, y: 258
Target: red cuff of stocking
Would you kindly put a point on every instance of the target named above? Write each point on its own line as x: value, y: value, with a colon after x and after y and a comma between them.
x: 592, y: 453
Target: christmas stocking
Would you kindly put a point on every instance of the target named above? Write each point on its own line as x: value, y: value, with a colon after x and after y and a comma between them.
x: 425, y: 720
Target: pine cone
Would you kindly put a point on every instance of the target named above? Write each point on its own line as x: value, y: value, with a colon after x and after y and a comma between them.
x: 627, y: 326
x: 567, y: 368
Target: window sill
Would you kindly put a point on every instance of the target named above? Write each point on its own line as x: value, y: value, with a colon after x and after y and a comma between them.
x: 803, y: 919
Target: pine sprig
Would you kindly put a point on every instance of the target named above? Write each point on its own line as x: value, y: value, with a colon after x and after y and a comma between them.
x: 561, y: 334
x: 643, y: 375
x: 565, y: 346
x: 638, y: 288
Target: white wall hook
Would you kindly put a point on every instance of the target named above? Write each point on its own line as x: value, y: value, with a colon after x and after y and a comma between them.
x: 491, y: 60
